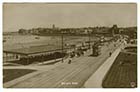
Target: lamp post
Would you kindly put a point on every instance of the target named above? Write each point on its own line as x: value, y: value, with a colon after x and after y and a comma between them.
x: 89, y: 38
x: 62, y: 44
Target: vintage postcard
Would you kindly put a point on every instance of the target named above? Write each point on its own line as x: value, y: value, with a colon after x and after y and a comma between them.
x: 69, y: 45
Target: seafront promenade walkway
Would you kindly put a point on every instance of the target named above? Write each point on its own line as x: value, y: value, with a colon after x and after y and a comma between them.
x: 95, y: 81
x: 66, y: 75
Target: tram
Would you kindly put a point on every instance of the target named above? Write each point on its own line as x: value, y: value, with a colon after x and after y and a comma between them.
x: 96, y: 49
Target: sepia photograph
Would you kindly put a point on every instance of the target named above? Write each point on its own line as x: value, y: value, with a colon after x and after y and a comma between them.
x: 69, y: 45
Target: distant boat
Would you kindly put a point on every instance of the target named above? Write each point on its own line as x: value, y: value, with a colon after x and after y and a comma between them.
x: 37, y: 37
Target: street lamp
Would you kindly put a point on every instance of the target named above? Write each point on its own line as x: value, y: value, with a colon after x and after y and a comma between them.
x: 89, y: 38
x: 62, y: 44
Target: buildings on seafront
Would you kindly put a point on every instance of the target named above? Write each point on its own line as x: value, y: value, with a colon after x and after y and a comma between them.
x: 71, y: 31
x: 106, y: 31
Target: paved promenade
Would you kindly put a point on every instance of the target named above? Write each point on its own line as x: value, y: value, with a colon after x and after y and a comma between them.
x: 95, y: 81
x: 65, y: 75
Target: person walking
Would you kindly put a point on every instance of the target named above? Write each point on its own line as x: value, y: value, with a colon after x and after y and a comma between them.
x: 110, y: 53
x: 70, y: 60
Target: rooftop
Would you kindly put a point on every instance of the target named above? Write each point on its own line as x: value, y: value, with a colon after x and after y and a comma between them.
x: 34, y: 49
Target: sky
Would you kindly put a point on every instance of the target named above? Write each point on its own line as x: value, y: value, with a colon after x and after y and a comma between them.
x: 33, y: 15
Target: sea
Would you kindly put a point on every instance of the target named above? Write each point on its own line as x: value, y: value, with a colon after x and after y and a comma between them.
x: 16, y: 41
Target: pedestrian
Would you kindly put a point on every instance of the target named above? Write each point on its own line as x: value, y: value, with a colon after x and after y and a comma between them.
x: 114, y: 45
x: 110, y: 53
x: 69, y: 62
x: 82, y: 52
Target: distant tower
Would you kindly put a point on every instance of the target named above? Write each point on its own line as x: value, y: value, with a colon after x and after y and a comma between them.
x: 53, y: 26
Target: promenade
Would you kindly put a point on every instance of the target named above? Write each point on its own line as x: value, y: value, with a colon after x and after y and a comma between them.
x: 95, y: 81
x: 65, y: 75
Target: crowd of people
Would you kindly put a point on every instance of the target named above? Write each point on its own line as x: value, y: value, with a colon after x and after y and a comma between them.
x: 77, y: 53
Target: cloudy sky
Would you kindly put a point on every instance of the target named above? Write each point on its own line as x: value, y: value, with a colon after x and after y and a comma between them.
x: 27, y: 15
